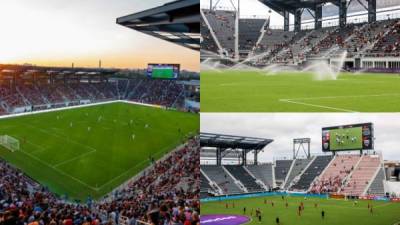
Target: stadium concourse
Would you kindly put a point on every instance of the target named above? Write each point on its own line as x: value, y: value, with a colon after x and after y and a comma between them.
x: 362, y: 175
x: 166, y: 194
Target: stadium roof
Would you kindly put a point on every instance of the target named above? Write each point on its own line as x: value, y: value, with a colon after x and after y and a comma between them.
x: 233, y: 142
x: 290, y: 5
x: 177, y: 22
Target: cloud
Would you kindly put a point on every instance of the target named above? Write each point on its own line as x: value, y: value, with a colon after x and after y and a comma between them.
x: 284, y: 127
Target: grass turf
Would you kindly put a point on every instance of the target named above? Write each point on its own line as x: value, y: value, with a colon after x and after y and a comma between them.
x: 80, y: 162
x: 337, y: 212
x: 252, y: 91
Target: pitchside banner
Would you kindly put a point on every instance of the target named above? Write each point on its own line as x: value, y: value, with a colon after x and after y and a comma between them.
x: 224, y: 219
x: 348, y: 137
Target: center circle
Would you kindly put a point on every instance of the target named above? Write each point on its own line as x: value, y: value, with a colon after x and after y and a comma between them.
x: 223, y: 219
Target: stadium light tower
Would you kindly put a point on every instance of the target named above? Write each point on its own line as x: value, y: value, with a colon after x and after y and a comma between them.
x: 301, y: 144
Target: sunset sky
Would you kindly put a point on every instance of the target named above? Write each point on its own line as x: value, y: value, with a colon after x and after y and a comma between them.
x: 59, y: 32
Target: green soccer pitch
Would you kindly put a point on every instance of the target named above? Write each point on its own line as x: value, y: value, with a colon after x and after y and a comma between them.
x: 253, y: 91
x: 337, y: 212
x: 91, y: 150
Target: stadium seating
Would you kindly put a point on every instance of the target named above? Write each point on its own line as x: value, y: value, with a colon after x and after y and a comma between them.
x: 314, y: 169
x: 249, y: 32
x: 377, y: 39
x: 221, y: 178
x: 168, y: 93
x: 363, y: 173
x: 161, y: 197
x: 204, y: 186
x: 207, y: 42
x: 377, y: 187
x: 282, y: 168
x: 245, y: 178
x: 332, y: 178
x: 223, y: 25
x: 264, y: 173
x: 297, y: 167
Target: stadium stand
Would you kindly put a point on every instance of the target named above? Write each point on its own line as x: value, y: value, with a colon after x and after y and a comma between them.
x: 298, y: 166
x: 221, y: 178
x: 250, y: 31
x: 314, y: 169
x: 264, y: 172
x: 358, y: 181
x: 245, y: 178
x: 282, y: 168
x: 223, y: 25
x: 377, y: 187
x: 204, y: 186
x: 169, y: 195
x: 261, y: 45
x: 21, y: 94
x: 332, y: 178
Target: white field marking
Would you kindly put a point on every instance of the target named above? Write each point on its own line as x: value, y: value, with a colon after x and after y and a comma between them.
x: 79, y: 106
x: 61, y: 137
x: 343, y: 200
x: 74, y: 158
x: 355, y: 207
x: 115, y: 178
x: 299, y: 100
x: 98, y: 188
x: 314, y: 105
x: 345, y: 96
x: 59, y: 171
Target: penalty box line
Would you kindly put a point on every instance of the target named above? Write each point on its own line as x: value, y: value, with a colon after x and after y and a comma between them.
x: 299, y: 101
x: 66, y: 161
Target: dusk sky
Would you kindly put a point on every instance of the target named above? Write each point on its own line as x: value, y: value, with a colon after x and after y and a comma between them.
x: 59, y: 32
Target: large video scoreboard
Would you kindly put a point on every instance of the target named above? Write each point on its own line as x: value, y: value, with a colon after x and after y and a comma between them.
x: 348, y: 137
x: 163, y: 71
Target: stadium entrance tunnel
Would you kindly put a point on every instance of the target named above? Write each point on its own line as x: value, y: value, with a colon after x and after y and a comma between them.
x: 220, y: 219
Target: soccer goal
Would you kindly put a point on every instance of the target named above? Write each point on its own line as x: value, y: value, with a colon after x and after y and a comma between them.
x: 9, y: 142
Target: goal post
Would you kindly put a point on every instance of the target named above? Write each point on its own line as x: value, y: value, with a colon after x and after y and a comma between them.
x: 9, y: 142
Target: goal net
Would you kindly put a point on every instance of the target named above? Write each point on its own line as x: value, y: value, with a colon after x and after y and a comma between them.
x: 9, y: 142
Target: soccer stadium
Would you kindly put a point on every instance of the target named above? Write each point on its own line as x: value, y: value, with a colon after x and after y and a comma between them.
x: 300, y: 56
x: 253, y: 180
x: 84, y: 145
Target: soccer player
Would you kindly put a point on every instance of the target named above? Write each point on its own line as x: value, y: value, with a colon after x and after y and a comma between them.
x: 323, y: 214
x: 272, y: 203
x: 315, y: 205
x: 133, y: 137
x: 244, y: 210
x: 299, y: 210
x: 371, y: 210
x: 277, y: 220
x: 287, y: 204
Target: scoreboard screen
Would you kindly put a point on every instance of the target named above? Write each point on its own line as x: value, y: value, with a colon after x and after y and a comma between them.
x: 348, y: 137
x: 163, y: 71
